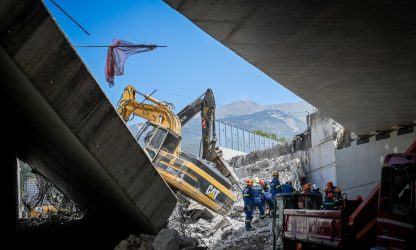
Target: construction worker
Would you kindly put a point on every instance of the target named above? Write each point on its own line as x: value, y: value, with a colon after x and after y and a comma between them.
x: 306, y: 188
x: 258, y: 197
x: 275, y: 186
x: 329, y: 203
x: 315, y: 189
x: 336, y: 191
x: 267, y: 195
x: 287, y: 188
x: 248, y: 199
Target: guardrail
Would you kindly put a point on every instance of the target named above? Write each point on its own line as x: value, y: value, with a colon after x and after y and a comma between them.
x: 232, y: 137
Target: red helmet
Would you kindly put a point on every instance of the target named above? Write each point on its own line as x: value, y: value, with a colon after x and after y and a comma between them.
x: 261, y: 182
x: 307, y: 186
x: 249, y: 182
x: 330, y: 184
x: 330, y: 195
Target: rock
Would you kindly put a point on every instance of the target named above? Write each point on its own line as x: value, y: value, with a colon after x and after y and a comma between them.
x: 225, y: 222
x: 186, y: 242
x: 235, y: 214
x: 194, y: 248
x: 226, y: 233
x: 146, y: 245
x: 131, y: 243
x: 166, y: 239
x: 239, y: 208
x: 196, y: 214
x: 147, y: 237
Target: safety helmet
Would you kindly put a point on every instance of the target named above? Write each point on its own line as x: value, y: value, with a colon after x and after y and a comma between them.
x: 249, y: 182
x: 256, y: 180
x: 275, y: 174
x: 261, y: 182
x: 330, y: 184
x: 330, y: 195
x: 338, y: 190
x: 307, y: 186
x: 315, y: 187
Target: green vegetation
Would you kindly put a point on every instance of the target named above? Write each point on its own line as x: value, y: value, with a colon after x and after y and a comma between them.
x: 272, y: 136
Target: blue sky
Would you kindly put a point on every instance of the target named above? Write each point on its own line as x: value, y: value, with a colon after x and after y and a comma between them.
x: 192, y: 62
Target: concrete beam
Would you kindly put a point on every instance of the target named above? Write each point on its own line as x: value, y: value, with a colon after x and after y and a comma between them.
x: 353, y: 60
x: 68, y: 130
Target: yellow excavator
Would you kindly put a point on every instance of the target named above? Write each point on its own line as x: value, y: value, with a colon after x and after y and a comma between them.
x: 202, y: 180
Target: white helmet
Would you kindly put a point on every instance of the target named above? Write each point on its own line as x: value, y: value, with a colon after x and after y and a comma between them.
x: 256, y: 180
x: 314, y: 187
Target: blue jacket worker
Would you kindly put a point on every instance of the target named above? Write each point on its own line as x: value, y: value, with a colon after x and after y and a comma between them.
x: 275, y: 186
x: 258, y: 197
x: 248, y: 199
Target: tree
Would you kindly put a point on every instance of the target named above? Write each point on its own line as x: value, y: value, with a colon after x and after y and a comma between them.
x: 272, y: 136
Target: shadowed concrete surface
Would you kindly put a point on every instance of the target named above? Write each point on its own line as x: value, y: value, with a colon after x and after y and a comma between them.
x: 58, y: 119
x: 353, y: 60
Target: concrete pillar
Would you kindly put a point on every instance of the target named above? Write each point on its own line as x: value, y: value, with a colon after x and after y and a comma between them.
x: 8, y: 187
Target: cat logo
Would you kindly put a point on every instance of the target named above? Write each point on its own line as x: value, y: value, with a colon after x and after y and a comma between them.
x: 212, y: 192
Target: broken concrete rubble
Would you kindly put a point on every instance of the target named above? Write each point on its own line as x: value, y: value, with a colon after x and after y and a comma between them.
x: 133, y: 242
x: 167, y: 239
x: 196, y: 214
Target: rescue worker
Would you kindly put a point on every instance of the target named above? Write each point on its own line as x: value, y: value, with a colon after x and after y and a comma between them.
x: 248, y: 199
x: 287, y: 188
x: 267, y: 195
x: 258, y: 197
x: 336, y: 191
x: 315, y: 189
x: 329, y: 203
x: 275, y: 186
x: 306, y: 188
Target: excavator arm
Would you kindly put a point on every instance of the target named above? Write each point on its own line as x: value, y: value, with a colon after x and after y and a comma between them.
x: 158, y: 112
x: 205, y: 105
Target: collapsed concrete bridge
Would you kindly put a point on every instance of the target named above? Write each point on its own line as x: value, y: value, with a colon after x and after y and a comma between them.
x: 56, y: 117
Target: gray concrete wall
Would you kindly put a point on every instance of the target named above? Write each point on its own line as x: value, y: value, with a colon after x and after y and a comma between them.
x: 359, y: 166
x: 67, y: 129
x: 322, y: 167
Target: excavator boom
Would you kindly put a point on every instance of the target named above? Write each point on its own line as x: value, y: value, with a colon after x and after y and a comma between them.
x: 205, y: 105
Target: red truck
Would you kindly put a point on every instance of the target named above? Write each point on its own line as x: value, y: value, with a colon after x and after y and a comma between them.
x: 385, y: 220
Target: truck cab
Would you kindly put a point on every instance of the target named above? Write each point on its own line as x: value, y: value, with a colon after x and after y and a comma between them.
x: 396, y: 217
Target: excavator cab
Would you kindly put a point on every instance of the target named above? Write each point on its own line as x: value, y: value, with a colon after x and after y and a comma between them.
x: 153, y: 138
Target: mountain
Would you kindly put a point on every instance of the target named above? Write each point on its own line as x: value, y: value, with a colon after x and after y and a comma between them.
x: 295, y: 109
x: 239, y: 108
x: 271, y: 121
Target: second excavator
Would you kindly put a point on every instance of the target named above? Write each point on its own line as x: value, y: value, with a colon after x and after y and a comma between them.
x: 200, y: 179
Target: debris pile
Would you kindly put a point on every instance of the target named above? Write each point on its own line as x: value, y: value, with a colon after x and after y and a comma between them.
x: 290, y: 168
x: 215, y: 231
x: 167, y: 239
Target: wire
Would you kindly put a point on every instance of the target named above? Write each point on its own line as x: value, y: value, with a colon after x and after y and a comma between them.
x: 69, y: 16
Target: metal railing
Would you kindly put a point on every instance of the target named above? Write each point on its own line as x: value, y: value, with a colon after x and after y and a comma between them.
x: 232, y: 137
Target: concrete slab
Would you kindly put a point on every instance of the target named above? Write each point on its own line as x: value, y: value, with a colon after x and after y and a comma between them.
x: 353, y: 60
x: 68, y: 130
